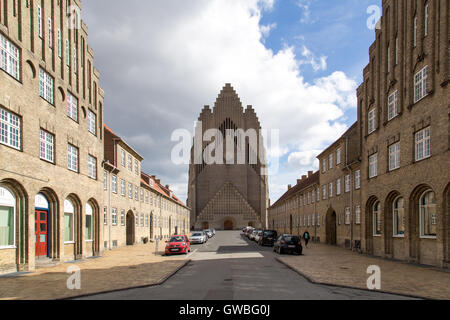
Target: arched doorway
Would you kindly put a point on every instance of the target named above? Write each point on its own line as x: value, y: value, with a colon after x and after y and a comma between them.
x: 130, y: 228
x: 47, y: 201
x: 92, y: 226
x: 73, y: 226
x: 228, y: 225
x: 43, y: 226
x: 369, y: 227
x: 331, y: 227
x: 14, y: 225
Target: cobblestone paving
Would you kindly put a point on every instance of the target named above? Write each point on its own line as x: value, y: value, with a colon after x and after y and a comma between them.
x: 337, y: 266
x: 118, y: 269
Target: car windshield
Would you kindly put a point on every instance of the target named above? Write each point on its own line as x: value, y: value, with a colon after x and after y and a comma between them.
x: 291, y: 239
x: 269, y: 233
x: 177, y: 239
x: 197, y: 234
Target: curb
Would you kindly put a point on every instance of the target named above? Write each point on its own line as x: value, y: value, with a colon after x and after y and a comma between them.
x: 160, y: 282
x: 350, y: 287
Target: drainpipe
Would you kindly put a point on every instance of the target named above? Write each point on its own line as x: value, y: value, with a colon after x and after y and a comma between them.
x: 349, y: 170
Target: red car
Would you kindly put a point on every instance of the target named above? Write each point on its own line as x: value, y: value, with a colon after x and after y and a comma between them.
x: 178, y: 244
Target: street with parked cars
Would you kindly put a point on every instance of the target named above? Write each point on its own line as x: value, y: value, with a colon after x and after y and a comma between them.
x: 282, y: 244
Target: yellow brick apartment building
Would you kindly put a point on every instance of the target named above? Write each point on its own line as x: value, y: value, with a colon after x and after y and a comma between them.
x: 390, y: 196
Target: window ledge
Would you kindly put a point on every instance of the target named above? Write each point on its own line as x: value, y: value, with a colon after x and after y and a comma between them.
x: 398, y: 236
x: 69, y: 242
x: 89, y: 241
x: 8, y: 247
x: 429, y: 237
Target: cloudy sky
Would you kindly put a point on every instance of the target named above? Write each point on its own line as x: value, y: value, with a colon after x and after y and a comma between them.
x: 298, y: 62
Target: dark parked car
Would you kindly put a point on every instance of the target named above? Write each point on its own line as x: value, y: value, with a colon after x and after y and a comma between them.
x: 268, y: 238
x: 288, y: 244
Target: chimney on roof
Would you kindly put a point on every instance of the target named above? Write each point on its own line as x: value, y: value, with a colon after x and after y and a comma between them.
x: 299, y: 181
x: 289, y: 187
x: 158, y: 181
x: 310, y: 173
x: 167, y: 187
x: 304, y: 177
x: 153, y: 177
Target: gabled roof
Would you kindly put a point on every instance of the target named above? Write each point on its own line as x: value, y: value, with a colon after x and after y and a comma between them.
x: 313, y: 179
x: 159, y: 188
x: 115, y: 136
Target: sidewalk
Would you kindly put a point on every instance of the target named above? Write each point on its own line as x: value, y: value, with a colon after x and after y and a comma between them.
x: 118, y: 269
x: 324, y: 264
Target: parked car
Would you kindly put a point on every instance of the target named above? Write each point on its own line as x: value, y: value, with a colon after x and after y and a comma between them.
x: 178, y: 244
x: 258, y: 236
x: 208, y: 233
x: 268, y: 238
x: 198, y: 237
x: 287, y: 243
x: 248, y: 232
x: 253, y: 235
x: 213, y: 231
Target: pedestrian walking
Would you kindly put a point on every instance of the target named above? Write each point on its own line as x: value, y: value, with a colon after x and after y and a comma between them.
x: 306, y: 237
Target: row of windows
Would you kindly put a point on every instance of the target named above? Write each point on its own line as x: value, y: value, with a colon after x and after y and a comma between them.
x: 420, y: 91
x: 130, y: 162
x: 422, y: 150
x: 10, y: 135
x: 427, y: 216
x: 331, y: 161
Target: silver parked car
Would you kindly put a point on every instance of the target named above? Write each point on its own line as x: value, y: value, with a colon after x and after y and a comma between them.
x: 208, y: 233
x: 198, y: 237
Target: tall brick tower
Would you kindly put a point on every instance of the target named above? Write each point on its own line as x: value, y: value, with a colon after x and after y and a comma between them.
x: 231, y: 192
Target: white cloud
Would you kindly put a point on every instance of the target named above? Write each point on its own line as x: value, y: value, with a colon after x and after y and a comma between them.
x: 265, y: 30
x: 162, y: 61
x: 305, y: 6
x: 317, y: 63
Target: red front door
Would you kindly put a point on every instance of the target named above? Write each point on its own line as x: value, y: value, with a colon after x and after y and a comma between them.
x: 41, y: 233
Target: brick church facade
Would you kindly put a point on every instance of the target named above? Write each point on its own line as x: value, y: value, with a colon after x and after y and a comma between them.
x: 229, y: 192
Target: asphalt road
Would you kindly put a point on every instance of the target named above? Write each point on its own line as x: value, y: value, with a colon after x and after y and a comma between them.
x: 229, y: 267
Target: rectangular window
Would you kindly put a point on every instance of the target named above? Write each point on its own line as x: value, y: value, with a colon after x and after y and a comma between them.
x: 415, y: 32
x: 347, y: 183
x: 72, y: 107
x: 47, y: 143
x: 330, y: 161
x: 330, y: 190
x: 50, y: 33
x: 59, y: 43
x: 358, y: 179
x: 10, y: 133
x: 396, y: 51
x: 92, y: 122
x: 373, y: 166
x: 324, y: 192
x: 88, y: 233
x: 136, y: 167
x: 420, y: 84
x: 40, y: 21
x: 130, y: 163
x: 10, y: 57
x: 46, y: 86
x: 426, y: 20
x: 122, y: 188
x: 136, y: 193
x: 146, y: 197
x: 393, y: 105
x: 6, y: 226
x: 122, y: 157
x: 68, y: 52
x: 122, y: 217
x: 92, y: 167
x: 338, y: 156
x: 142, y: 195
x: 72, y: 158
x: 338, y: 187
x: 114, y: 184
x: 114, y: 216
x: 105, y: 181
x: 68, y: 227
x: 324, y: 165
x: 372, y: 121
x: 105, y: 215
x: 394, y: 156
x: 358, y: 215
x: 423, y: 144
x: 347, y: 216
x: 130, y: 191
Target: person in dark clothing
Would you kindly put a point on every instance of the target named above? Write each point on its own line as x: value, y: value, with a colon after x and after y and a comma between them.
x: 306, y: 237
